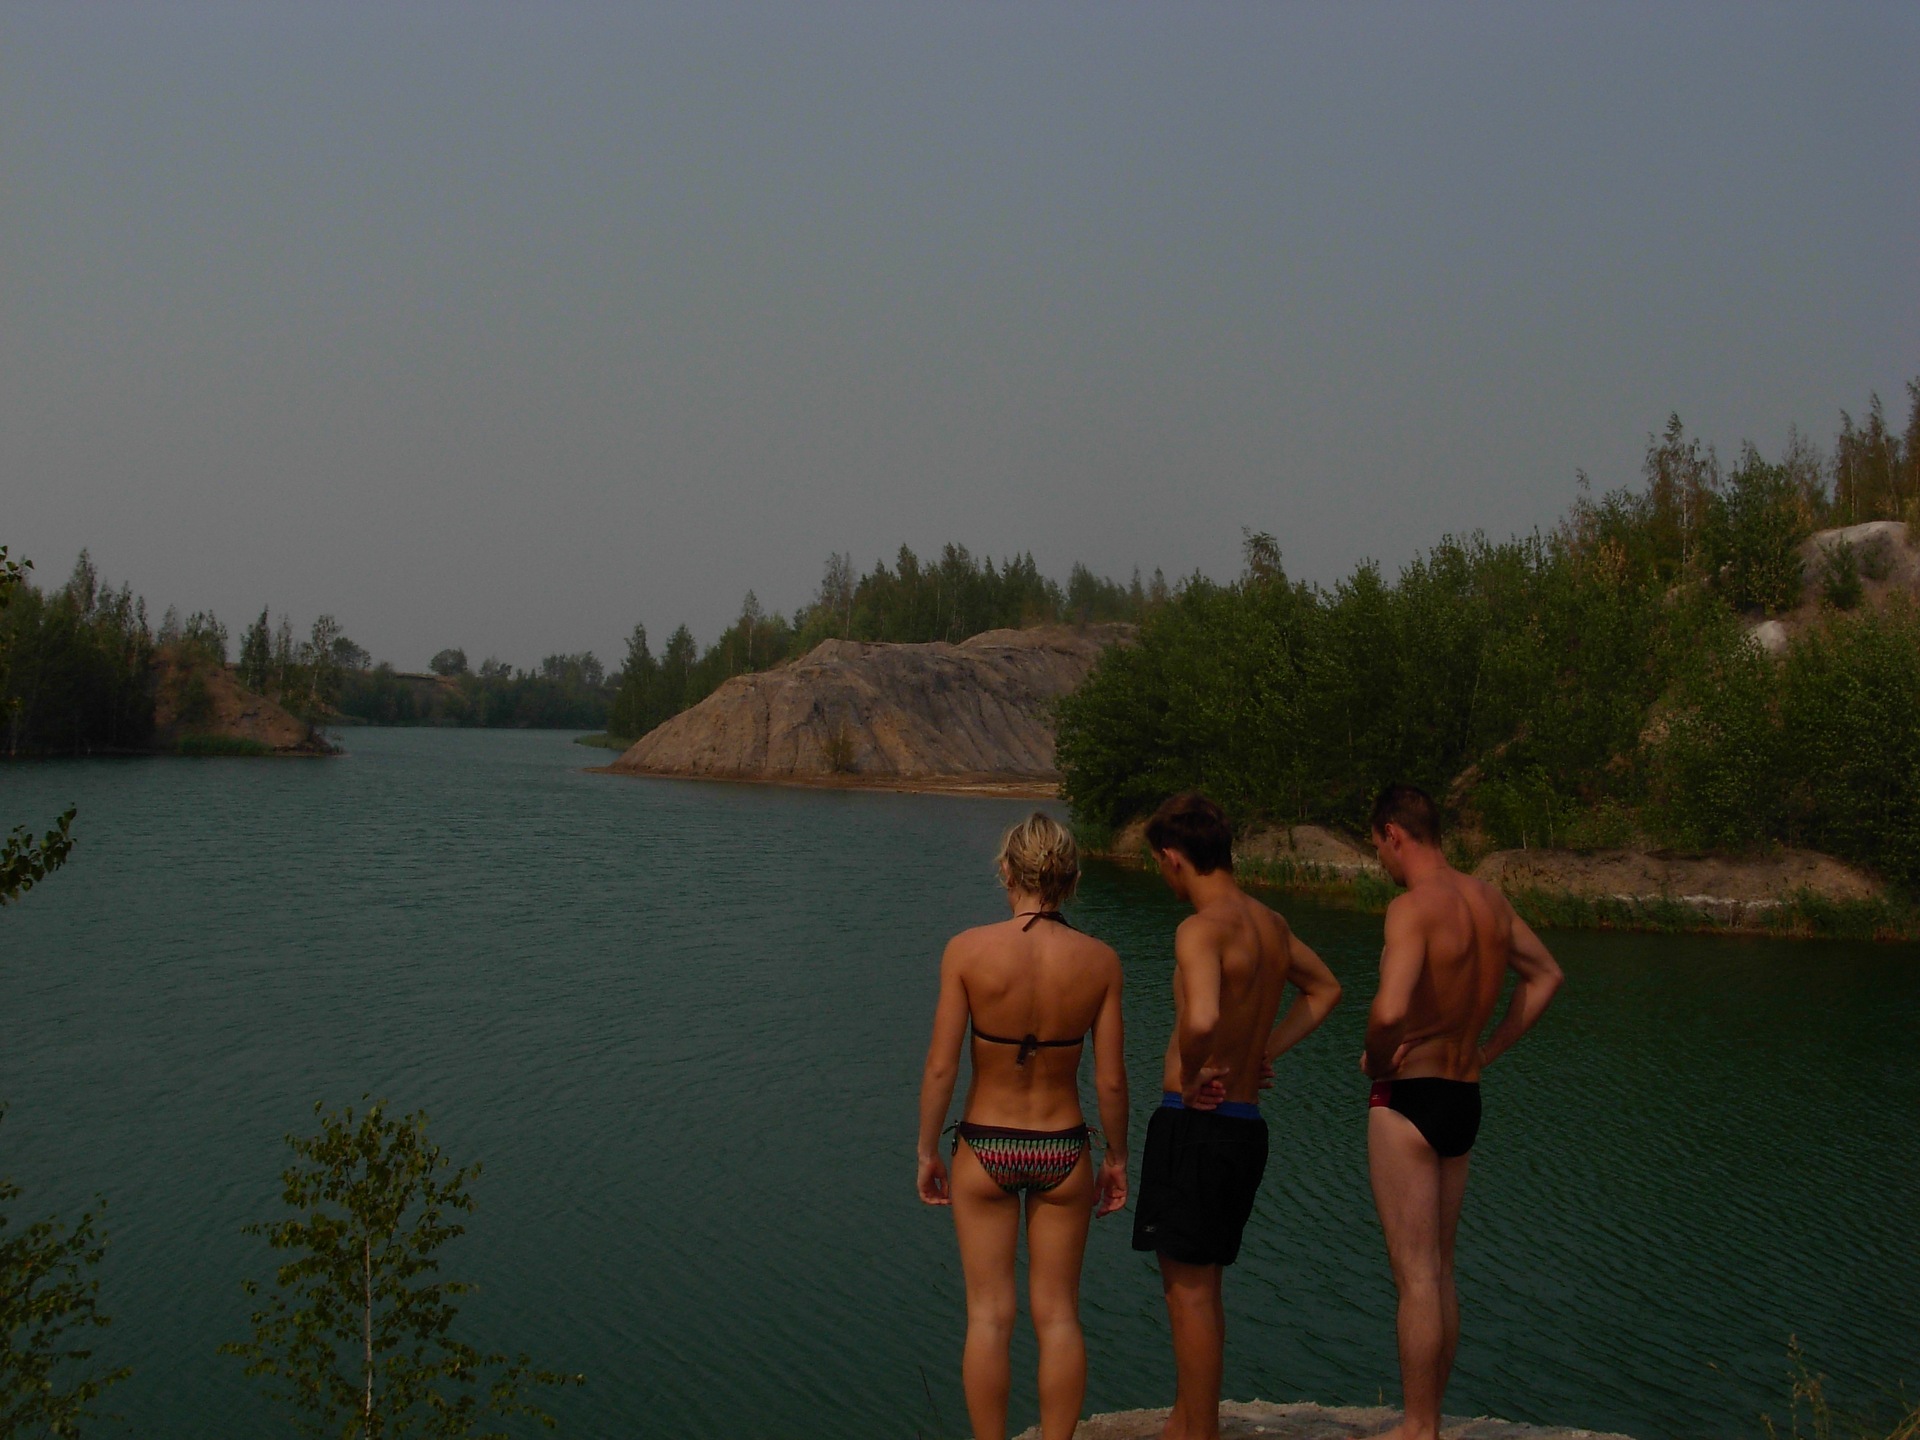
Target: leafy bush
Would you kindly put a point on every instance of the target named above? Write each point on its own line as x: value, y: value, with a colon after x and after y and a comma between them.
x: 1755, y: 526
x: 49, y: 1302
x: 1715, y: 765
x: 1851, y: 736
x: 1840, y: 584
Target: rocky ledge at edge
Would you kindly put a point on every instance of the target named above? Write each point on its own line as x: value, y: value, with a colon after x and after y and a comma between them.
x: 1313, y: 1422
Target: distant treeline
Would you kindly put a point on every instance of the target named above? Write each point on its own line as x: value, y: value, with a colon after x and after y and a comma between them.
x: 564, y: 692
x: 83, y: 668
x: 79, y: 676
x: 1595, y: 685
x: 952, y: 599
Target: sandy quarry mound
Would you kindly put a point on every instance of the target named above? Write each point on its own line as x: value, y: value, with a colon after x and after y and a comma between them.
x: 194, y: 698
x: 1889, y: 563
x: 1735, y: 889
x: 1260, y: 1419
x: 974, y: 715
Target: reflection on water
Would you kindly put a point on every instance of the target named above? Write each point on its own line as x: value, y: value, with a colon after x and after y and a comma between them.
x: 682, y: 1025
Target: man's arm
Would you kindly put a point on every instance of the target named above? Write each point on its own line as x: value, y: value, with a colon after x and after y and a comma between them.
x: 1540, y: 977
x: 936, y: 1081
x: 1316, y: 993
x: 1402, y: 958
x: 1110, y: 1085
x: 1196, y: 981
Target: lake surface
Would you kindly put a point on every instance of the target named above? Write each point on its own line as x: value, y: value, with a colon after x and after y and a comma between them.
x: 682, y: 1025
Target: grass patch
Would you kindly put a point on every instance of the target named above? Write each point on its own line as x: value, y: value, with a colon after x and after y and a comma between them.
x: 1346, y: 889
x: 602, y: 741
x: 1811, y: 1416
x: 1804, y: 913
x: 220, y: 745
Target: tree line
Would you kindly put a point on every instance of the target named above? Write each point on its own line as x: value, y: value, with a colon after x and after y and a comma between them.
x: 1594, y: 685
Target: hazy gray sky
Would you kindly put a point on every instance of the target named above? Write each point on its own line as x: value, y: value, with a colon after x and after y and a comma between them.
x: 510, y: 326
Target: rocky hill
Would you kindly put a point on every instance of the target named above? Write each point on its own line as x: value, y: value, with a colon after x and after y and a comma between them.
x: 972, y: 716
x: 1884, y: 554
x: 199, y: 707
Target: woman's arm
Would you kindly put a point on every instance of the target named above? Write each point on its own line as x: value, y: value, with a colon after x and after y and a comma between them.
x: 936, y: 1082
x: 1110, y: 1085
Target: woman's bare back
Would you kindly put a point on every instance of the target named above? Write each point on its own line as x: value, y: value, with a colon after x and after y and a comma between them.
x: 1043, y: 984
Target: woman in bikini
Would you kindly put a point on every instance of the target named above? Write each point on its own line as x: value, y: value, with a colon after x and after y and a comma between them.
x: 1030, y: 988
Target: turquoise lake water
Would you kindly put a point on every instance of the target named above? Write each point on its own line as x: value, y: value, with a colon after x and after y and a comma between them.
x: 682, y: 1026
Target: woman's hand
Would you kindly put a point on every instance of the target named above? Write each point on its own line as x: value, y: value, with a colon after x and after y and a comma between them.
x: 1111, y: 1192
x: 932, y: 1181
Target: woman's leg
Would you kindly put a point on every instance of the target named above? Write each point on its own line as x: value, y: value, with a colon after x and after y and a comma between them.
x: 987, y: 1220
x: 1057, y: 1222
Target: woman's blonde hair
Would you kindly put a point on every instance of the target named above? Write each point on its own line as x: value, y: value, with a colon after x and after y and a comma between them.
x: 1039, y: 857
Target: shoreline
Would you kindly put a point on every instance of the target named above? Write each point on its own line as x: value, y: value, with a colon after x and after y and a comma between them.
x: 1799, y: 913
x: 987, y: 786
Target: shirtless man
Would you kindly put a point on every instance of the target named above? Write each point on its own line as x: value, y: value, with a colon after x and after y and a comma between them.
x: 1450, y: 941
x: 1207, y: 1145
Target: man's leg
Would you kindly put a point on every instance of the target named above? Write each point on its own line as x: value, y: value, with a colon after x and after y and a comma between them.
x: 1407, y: 1193
x: 987, y: 1221
x: 1057, y: 1221
x: 1453, y: 1192
x: 1198, y: 1319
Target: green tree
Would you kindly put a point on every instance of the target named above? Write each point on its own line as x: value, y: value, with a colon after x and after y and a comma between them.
x: 49, y: 1302
x: 449, y: 662
x: 1851, y: 742
x: 356, y: 1337
x: 24, y: 861
x: 256, y: 655
x: 1755, y: 526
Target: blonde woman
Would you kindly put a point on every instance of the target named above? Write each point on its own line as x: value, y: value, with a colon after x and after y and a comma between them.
x: 1030, y: 988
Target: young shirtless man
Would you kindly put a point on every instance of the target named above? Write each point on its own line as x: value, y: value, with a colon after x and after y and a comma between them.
x: 1450, y: 941
x: 1207, y: 1145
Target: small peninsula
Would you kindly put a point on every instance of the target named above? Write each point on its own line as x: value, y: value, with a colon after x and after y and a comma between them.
x: 969, y: 717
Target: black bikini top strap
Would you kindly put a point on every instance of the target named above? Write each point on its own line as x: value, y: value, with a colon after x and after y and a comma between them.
x: 1028, y: 1043
x: 1034, y: 915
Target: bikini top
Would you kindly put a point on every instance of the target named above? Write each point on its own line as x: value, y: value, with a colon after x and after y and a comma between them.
x: 1029, y: 1043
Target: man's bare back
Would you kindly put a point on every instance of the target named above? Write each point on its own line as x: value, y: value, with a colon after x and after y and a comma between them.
x: 1232, y: 958
x: 1450, y: 940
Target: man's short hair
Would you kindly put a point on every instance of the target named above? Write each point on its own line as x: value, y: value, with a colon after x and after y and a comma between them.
x: 1409, y: 807
x: 1197, y: 828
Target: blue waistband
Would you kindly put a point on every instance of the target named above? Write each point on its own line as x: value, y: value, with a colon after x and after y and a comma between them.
x: 1232, y: 1109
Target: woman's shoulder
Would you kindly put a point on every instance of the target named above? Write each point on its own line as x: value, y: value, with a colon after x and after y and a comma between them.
x: 977, y: 938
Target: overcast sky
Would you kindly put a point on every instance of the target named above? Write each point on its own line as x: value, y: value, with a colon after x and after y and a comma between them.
x: 507, y: 327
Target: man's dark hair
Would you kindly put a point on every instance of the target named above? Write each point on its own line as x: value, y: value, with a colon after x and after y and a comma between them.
x: 1197, y: 828
x: 1409, y: 807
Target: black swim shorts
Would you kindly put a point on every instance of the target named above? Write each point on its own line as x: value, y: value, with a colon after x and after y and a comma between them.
x: 1198, y: 1176
x: 1445, y: 1112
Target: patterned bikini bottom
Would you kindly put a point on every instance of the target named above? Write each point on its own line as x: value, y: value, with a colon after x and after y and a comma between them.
x: 1033, y: 1161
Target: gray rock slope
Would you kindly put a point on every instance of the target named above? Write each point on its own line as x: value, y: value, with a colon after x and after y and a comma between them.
x: 853, y: 713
